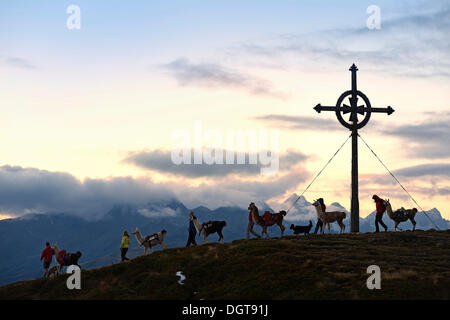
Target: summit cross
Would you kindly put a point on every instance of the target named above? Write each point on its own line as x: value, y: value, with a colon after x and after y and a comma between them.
x: 353, y: 124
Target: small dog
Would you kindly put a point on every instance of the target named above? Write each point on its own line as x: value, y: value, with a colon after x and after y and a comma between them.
x: 53, y: 271
x: 302, y: 229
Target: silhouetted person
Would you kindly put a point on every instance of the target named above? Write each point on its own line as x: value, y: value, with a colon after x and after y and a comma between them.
x: 381, y: 208
x: 47, y: 255
x: 319, y: 223
x: 192, y: 230
x: 124, y: 246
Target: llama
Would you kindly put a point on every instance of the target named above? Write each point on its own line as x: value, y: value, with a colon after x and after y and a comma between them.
x: 274, y: 218
x: 149, y: 243
x: 72, y: 259
x: 329, y: 217
x: 207, y: 228
x: 401, y: 215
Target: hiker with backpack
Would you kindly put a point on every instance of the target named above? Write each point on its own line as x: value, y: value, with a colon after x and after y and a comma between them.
x: 124, y: 245
x: 381, y: 208
x: 47, y: 255
x: 192, y: 230
x: 319, y: 223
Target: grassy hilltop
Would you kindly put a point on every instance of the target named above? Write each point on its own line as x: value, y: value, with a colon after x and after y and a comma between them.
x: 414, y: 265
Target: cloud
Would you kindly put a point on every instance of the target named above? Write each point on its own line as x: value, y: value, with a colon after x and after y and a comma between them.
x: 300, y: 122
x: 30, y: 190
x: 209, y: 75
x: 236, y: 192
x: 438, y: 169
x: 414, y: 45
x: 427, y: 180
x: 429, y: 139
x: 19, y: 63
x: 161, y: 161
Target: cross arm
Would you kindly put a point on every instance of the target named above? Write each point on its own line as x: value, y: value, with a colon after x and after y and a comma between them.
x: 387, y: 110
x: 360, y: 109
x: 320, y: 108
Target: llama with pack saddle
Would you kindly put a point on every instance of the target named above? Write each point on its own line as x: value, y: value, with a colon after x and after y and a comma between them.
x: 401, y: 215
x: 210, y: 227
x: 65, y: 259
x: 150, y: 241
x: 267, y: 220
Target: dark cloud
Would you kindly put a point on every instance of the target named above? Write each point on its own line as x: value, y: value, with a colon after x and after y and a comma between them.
x: 215, y: 76
x: 161, y: 161
x: 300, y: 122
x: 232, y: 191
x: 429, y: 139
x: 437, y: 169
x: 25, y: 190
x: 30, y: 190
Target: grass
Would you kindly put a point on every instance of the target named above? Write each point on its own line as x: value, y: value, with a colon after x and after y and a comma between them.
x: 413, y: 266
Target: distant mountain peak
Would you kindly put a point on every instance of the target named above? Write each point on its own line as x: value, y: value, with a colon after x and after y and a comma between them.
x: 296, y: 200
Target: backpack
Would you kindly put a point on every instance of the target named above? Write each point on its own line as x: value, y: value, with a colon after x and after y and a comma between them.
x: 383, y: 206
x: 151, y: 237
x: 62, y: 256
x: 267, y: 218
x: 207, y: 225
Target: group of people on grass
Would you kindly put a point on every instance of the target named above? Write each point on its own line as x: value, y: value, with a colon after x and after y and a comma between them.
x: 380, y: 209
x: 48, y: 252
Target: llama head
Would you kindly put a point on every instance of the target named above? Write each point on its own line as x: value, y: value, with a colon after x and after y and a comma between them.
x: 292, y: 227
x: 135, y: 231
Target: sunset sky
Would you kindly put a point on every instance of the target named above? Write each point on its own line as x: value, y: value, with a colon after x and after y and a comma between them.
x: 88, y: 115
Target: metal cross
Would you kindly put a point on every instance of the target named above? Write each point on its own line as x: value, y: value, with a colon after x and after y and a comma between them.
x: 353, y: 125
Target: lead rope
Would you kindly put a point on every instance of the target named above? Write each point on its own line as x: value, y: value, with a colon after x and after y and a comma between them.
x: 398, y: 182
x: 317, y: 175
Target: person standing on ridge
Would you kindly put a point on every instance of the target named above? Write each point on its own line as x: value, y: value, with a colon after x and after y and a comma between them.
x: 381, y: 208
x: 47, y: 255
x: 192, y: 230
x: 124, y: 246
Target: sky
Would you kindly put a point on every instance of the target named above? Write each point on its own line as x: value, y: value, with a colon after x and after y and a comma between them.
x: 89, y: 115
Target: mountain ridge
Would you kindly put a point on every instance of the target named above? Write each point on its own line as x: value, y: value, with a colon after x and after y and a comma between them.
x: 321, y: 267
x: 99, y: 239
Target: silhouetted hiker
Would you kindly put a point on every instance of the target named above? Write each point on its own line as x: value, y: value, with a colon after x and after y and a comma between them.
x: 124, y: 246
x: 251, y: 223
x: 381, y: 208
x: 319, y: 223
x: 47, y: 255
x: 192, y: 230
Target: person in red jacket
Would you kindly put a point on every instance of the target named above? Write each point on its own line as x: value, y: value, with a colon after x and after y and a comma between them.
x: 47, y: 255
x: 381, y: 208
